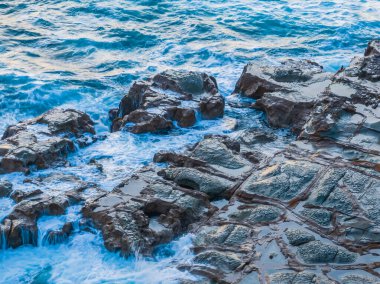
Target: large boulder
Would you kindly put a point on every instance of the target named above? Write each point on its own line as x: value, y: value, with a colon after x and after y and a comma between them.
x: 43, y: 140
x: 171, y: 96
x: 287, y: 92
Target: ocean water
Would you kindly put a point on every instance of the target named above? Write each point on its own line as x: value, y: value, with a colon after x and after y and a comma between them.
x: 85, y: 54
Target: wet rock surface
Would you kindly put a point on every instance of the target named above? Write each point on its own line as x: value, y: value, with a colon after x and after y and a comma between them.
x: 44, y: 140
x: 286, y: 93
x: 170, y: 97
x: 305, y: 213
x: 20, y: 226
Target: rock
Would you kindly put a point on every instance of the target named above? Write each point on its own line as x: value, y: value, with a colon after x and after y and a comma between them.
x: 318, y: 252
x: 186, y: 83
x: 184, y: 117
x: 5, y: 188
x: 212, y: 107
x: 191, y: 178
x: 230, y: 235
x: 20, y: 226
x: 298, y: 278
x: 298, y: 237
x: 373, y: 48
x: 348, y: 113
x: 141, y: 121
x: 287, y: 93
x: 143, y: 212
x: 171, y: 96
x: 253, y: 137
x: 219, y: 151
x: 19, y: 195
x: 53, y: 237
x: 283, y: 181
x: 177, y: 159
x: 359, y: 279
x: 221, y: 260
x: 257, y: 214
x: 44, y: 140
x: 320, y: 216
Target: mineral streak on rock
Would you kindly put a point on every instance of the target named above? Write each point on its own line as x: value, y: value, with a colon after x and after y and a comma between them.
x: 172, y: 96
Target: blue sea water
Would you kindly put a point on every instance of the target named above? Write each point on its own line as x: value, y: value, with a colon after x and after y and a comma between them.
x: 85, y: 54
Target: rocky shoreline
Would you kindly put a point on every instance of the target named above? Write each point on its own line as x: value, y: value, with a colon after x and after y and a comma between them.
x: 306, y: 214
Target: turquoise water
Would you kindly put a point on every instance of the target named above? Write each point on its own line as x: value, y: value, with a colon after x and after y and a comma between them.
x: 85, y: 54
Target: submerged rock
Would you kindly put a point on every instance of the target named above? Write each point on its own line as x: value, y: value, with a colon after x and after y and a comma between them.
x: 43, y: 140
x: 171, y: 96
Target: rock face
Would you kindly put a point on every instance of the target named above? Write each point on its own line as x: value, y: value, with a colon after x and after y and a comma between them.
x: 172, y: 96
x: 286, y: 93
x: 43, y: 140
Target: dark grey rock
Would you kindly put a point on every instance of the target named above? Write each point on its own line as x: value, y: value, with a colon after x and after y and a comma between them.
x: 5, y: 188
x: 298, y: 237
x: 318, y: 252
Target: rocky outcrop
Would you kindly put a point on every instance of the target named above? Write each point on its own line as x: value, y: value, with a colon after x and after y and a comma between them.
x: 312, y: 205
x: 304, y: 214
x: 349, y: 112
x: 157, y: 205
x: 43, y: 140
x: 307, y: 212
x: 286, y: 93
x: 169, y: 97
